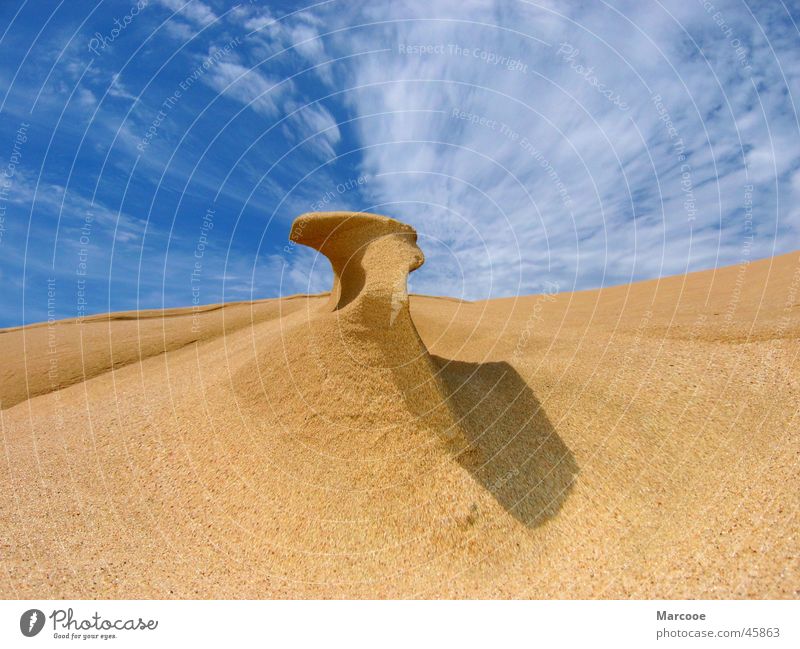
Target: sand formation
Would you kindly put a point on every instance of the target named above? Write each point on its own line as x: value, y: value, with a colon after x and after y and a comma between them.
x: 371, y: 257
x: 365, y: 390
x: 364, y: 334
x: 637, y: 441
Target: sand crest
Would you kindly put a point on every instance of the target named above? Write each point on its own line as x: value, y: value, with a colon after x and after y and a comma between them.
x: 638, y: 441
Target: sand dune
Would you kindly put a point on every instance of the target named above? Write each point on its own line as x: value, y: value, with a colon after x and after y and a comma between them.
x: 637, y: 441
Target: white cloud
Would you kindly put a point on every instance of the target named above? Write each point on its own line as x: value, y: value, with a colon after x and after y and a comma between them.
x: 254, y: 18
x: 117, y: 89
x: 246, y: 85
x: 305, y: 38
x: 180, y: 30
x: 195, y: 11
x: 85, y: 98
x: 313, y: 121
x: 796, y: 182
x: 297, y: 33
x: 55, y: 199
x: 297, y: 270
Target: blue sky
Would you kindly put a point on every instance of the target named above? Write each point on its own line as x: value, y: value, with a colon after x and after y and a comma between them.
x: 156, y: 153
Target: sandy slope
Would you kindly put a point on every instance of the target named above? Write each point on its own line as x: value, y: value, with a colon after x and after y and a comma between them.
x: 639, y: 441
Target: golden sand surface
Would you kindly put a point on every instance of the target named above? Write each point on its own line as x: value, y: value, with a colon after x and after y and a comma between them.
x: 639, y: 441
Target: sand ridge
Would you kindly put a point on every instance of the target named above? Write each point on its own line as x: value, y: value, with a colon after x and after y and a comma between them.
x: 637, y: 441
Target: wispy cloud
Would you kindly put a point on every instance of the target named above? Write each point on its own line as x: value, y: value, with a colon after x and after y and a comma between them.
x: 194, y: 11
x: 314, y: 123
x: 247, y: 86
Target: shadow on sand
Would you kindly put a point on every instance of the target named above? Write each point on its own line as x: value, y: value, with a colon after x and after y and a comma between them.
x: 518, y: 456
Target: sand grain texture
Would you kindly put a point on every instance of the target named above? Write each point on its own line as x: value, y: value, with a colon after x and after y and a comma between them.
x: 637, y: 441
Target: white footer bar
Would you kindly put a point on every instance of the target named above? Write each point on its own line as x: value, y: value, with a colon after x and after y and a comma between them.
x: 376, y: 625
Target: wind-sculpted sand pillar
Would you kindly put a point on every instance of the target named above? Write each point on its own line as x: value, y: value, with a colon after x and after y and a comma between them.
x: 371, y: 256
x: 365, y: 330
